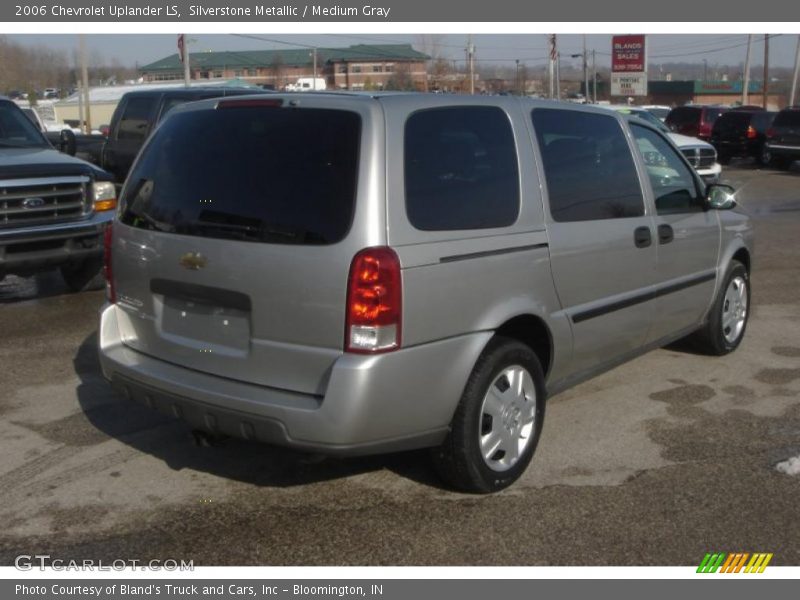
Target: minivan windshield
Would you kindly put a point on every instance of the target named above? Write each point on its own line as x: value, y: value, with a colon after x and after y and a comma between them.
x: 261, y: 174
x: 16, y: 130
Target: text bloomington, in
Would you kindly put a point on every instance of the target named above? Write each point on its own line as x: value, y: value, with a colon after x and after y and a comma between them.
x: 199, y: 10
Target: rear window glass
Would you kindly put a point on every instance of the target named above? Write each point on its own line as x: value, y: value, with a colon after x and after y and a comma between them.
x: 257, y: 174
x: 588, y: 166
x: 787, y: 118
x: 461, y: 169
x: 712, y: 114
x: 135, y: 118
x: 683, y: 116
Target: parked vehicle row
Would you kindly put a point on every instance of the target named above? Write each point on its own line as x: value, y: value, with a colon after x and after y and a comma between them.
x: 701, y: 155
x: 424, y: 274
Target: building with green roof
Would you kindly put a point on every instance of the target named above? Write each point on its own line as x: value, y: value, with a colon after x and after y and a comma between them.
x: 359, y: 67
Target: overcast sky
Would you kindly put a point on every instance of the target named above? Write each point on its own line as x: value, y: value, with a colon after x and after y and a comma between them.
x: 131, y: 49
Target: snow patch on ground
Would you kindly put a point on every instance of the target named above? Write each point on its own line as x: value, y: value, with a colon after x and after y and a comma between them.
x: 790, y: 466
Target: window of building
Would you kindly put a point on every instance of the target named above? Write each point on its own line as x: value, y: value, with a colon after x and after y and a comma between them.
x: 588, y: 166
x: 356, y: 69
x: 461, y: 169
x: 377, y: 69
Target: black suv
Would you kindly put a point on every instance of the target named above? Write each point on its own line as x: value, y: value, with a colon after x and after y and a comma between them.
x: 741, y: 133
x: 783, y: 139
x: 138, y: 113
x: 694, y: 121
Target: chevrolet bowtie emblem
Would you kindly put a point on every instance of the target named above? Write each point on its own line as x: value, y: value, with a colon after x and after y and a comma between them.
x: 193, y: 261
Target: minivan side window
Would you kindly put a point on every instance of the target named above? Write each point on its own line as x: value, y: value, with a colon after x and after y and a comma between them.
x: 588, y: 166
x: 673, y: 183
x: 461, y: 169
x: 135, y: 117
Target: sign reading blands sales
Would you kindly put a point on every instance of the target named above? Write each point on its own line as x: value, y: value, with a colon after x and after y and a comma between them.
x: 628, y: 65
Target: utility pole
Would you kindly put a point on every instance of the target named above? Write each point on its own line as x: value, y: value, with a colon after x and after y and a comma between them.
x: 766, y: 69
x: 792, y: 94
x: 558, y: 75
x: 594, y: 77
x: 552, y: 65
x: 471, y: 61
x: 314, y: 52
x: 585, y: 72
x: 87, y: 125
x: 746, y: 82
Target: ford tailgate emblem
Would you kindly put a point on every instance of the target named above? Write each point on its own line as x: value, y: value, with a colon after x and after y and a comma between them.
x: 193, y: 261
x: 32, y: 202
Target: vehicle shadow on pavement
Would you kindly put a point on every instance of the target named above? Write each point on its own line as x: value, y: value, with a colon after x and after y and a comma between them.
x: 170, y: 440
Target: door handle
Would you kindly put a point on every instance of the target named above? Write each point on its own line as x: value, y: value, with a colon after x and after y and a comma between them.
x: 665, y: 234
x: 642, y: 237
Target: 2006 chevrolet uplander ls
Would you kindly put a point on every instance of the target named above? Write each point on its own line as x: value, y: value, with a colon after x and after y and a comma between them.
x: 355, y: 274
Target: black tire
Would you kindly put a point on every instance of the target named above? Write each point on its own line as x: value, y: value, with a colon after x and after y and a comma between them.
x: 711, y: 338
x: 764, y: 156
x: 84, y: 276
x: 459, y: 460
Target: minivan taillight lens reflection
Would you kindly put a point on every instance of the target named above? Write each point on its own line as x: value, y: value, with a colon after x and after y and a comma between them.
x: 374, y: 302
x: 108, y: 271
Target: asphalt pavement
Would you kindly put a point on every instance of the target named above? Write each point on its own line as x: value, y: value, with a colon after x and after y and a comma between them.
x: 654, y: 463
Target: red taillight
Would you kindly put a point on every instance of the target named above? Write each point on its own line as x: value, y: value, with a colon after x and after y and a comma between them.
x: 751, y: 132
x: 250, y: 103
x: 374, y: 302
x: 704, y: 130
x: 770, y: 132
x: 108, y: 271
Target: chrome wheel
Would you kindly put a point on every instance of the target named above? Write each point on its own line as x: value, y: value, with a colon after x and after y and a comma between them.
x: 508, y: 416
x: 734, y: 309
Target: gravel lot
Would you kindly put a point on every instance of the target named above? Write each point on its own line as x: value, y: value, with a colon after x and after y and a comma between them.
x: 655, y: 463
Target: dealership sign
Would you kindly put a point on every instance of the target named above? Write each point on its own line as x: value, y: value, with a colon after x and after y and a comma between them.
x: 628, y: 65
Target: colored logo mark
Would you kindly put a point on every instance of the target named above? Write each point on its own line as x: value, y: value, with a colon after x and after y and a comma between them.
x: 735, y: 562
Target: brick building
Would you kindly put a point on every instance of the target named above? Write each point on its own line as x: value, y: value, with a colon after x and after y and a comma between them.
x: 360, y: 67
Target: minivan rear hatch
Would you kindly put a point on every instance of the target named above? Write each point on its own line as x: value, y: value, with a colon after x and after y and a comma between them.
x: 238, y: 224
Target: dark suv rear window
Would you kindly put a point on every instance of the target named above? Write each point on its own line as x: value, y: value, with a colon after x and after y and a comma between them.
x: 263, y: 174
x: 787, y: 118
x: 683, y: 115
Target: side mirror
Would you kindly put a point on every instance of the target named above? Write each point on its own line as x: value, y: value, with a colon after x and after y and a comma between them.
x: 720, y: 196
x: 66, y: 142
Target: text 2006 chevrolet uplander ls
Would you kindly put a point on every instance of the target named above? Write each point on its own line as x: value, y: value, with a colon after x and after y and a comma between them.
x: 352, y: 274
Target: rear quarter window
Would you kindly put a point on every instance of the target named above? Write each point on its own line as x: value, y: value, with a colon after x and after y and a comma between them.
x: 276, y: 175
x: 461, y: 169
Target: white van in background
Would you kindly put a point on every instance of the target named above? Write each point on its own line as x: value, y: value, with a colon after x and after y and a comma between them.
x: 307, y: 84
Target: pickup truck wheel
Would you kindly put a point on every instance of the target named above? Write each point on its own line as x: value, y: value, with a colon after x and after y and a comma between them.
x: 727, y: 321
x: 84, y: 276
x: 498, y: 421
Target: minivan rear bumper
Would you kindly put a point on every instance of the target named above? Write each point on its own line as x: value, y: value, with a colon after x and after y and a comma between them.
x: 370, y: 405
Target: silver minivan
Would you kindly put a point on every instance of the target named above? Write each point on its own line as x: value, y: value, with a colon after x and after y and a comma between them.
x: 354, y: 274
